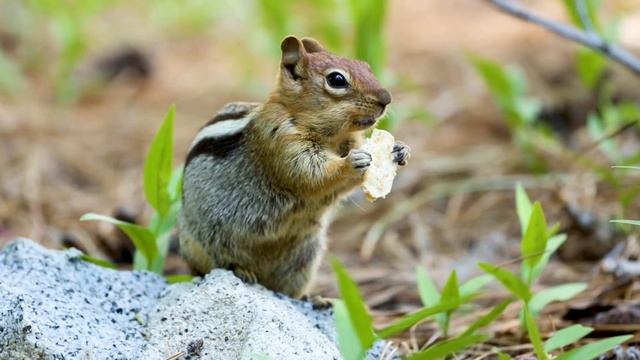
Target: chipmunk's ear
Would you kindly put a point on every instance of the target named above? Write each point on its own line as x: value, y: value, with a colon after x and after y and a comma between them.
x: 312, y: 45
x: 293, y: 56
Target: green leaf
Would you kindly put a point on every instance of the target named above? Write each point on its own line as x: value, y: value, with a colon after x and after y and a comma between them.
x: 348, y: 340
x: 595, y: 349
x: 566, y: 337
x: 355, y: 305
x: 99, y: 262
x: 534, y: 334
x: 178, y: 278
x: 175, y: 184
x: 141, y: 237
x: 488, y: 318
x: 444, y: 348
x: 475, y: 284
x: 591, y: 7
x: 503, y: 356
x: 429, y: 294
x: 509, y: 280
x: 534, y: 241
x: 409, y: 320
x: 450, y: 291
x: 157, y: 167
x: 552, y: 246
x: 591, y: 66
x: 628, y: 222
x: 523, y: 207
x: 558, y: 293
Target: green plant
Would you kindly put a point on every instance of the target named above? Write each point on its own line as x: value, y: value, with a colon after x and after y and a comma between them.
x: 537, y: 245
x: 356, y: 332
x: 508, y: 88
x: 592, y: 67
x: 163, y: 189
x: 68, y: 21
x: 430, y: 296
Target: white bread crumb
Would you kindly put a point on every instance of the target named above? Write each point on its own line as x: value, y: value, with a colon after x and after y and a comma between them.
x: 379, y: 177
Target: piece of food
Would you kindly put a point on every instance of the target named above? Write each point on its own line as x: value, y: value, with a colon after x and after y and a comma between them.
x: 379, y: 177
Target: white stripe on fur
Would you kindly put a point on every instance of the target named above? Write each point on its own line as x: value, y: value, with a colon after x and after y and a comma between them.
x: 221, y: 129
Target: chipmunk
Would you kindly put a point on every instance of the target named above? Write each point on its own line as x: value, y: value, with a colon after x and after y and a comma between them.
x: 260, y: 179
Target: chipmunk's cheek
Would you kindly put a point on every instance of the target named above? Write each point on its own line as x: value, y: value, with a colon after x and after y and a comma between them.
x: 364, y: 122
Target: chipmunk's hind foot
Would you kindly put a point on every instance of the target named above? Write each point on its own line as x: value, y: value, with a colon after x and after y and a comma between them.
x: 243, y: 274
x: 318, y: 302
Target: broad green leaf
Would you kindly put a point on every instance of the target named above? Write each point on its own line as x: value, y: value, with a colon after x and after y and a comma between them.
x: 475, y: 284
x: 496, y: 78
x: 591, y: 65
x: 348, y: 340
x: 523, y: 207
x: 595, y: 349
x: 503, y: 356
x: 444, y: 348
x: 528, y: 109
x: 626, y: 167
x: 450, y: 290
x: 450, y: 293
x: 141, y: 237
x: 429, y: 294
x: 566, y: 337
x: 558, y: 293
x: 534, y: 241
x: 409, y: 320
x: 99, y: 262
x: 178, y: 278
x: 175, y: 184
x: 628, y: 222
x: 552, y: 246
x: 157, y: 167
x: 358, y: 313
x: 509, y: 280
x: 534, y: 334
x: 488, y: 318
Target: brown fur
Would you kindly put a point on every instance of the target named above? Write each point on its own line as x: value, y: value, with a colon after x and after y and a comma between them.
x: 296, y: 158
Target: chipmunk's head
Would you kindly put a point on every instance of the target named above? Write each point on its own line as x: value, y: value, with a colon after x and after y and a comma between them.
x: 331, y: 94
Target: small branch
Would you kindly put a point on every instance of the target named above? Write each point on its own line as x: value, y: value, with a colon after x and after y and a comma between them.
x: 591, y: 40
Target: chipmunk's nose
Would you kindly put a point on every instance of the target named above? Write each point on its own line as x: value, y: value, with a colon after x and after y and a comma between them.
x: 383, y: 97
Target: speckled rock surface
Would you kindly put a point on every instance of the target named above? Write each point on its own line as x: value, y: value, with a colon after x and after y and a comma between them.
x: 53, y: 305
x: 237, y: 321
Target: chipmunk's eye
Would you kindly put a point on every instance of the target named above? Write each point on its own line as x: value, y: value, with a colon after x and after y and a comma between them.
x: 337, y: 80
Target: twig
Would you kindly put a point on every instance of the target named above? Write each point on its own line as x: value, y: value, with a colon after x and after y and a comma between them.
x: 589, y: 39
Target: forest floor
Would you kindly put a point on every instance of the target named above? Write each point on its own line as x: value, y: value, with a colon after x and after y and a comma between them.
x: 451, y: 207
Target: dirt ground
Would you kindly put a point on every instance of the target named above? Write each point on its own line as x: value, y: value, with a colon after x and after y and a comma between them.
x: 451, y: 207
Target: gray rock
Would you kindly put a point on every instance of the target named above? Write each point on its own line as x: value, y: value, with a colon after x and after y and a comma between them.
x: 237, y: 321
x: 53, y: 305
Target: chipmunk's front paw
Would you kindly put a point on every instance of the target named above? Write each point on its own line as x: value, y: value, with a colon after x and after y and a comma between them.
x: 360, y: 160
x: 401, y: 153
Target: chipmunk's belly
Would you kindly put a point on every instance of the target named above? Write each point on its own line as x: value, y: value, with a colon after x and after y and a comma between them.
x: 243, y: 221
